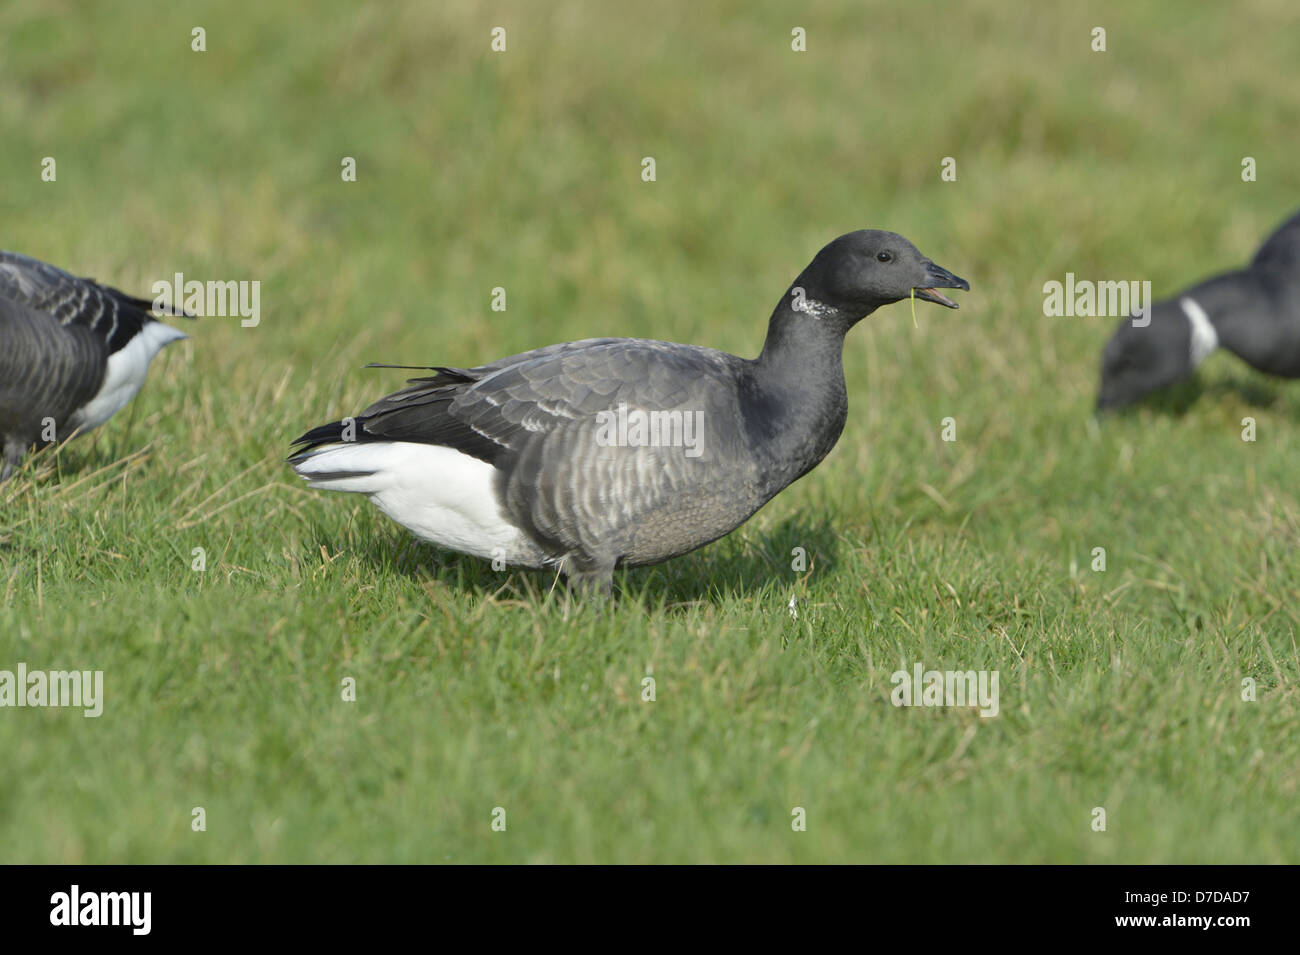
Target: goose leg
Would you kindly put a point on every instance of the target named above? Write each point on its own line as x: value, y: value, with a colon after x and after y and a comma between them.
x: 592, y: 581
x: 12, y: 456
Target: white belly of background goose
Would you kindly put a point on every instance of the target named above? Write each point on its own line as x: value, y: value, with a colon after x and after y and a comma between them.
x: 124, y: 375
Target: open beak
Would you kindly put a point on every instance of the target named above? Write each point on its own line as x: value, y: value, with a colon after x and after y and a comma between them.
x: 937, y: 278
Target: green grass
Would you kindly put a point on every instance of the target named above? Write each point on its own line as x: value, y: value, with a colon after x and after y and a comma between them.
x: 478, y: 689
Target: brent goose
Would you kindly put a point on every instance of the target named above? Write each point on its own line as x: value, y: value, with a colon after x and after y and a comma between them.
x: 72, y: 354
x: 1252, y: 312
x: 620, y: 451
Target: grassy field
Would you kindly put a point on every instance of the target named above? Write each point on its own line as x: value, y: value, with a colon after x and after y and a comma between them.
x: 476, y: 689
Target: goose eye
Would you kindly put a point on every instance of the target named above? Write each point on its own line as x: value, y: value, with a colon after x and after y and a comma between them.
x: 884, y: 257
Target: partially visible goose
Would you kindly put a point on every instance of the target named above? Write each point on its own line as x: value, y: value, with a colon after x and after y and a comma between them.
x: 533, y: 460
x: 1253, y: 312
x: 72, y: 352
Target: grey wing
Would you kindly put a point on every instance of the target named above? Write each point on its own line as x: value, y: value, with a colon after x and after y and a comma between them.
x: 614, y: 448
x: 47, y: 370
x: 427, y: 410
x: 66, y: 300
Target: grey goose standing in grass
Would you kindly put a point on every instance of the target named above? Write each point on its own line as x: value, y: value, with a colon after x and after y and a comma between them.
x: 1252, y: 312
x: 617, y: 451
x: 73, y: 353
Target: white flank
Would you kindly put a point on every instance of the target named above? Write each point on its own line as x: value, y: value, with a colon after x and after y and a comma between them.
x: 125, y: 374
x: 1204, y: 338
x: 436, y: 493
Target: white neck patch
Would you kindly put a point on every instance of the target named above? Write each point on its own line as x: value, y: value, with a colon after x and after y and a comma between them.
x: 1204, y: 338
x: 810, y: 306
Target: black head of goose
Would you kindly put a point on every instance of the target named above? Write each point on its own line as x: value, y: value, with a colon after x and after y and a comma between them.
x: 620, y: 452
x: 72, y: 354
x: 1252, y: 312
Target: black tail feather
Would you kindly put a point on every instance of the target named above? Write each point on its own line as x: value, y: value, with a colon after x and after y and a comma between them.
x: 323, y: 434
x: 445, y: 374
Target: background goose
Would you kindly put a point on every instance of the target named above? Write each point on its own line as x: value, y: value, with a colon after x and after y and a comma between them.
x: 71, y: 351
x: 536, y: 460
x: 1252, y: 312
